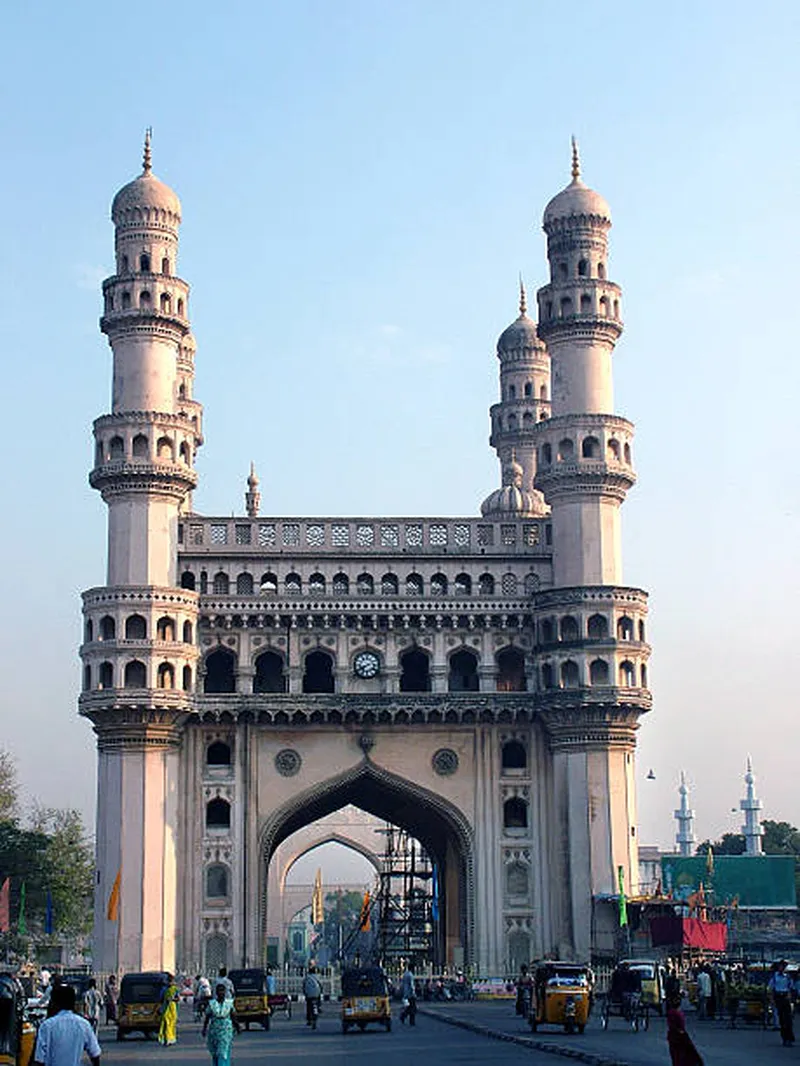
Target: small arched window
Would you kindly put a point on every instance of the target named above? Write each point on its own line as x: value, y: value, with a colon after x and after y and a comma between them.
x: 318, y: 675
x: 512, y: 392
x: 601, y: 270
x: 221, y: 585
x: 269, y: 584
x: 563, y: 271
x: 546, y: 454
x: 548, y: 631
x: 87, y: 678
x: 389, y: 585
x: 340, y: 584
x: 527, y: 418
x: 165, y: 265
x: 641, y: 630
x: 415, y: 674
x: 438, y: 585
x: 566, y: 306
x: 463, y: 673
x: 613, y: 449
x: 512, y: 421
x: 515, y: 813
x: 124, y: 265
x: 135, y: 674
x: 106, y: 676
x: 566, y: 450
x: 187, y: 633
x: 166, y: 675
x: 568, y: 628
x: 365, y: 585
x: 570, y: 675
x: 135, y: 627
x: 126, y: 301
x: 514, y: 756
x: 543, y: 392
x: 627, y: 674
x: 88, y: 631
x: 203, y: 582
x: 643, y: 672
x: 217, y: 881
x: 510, y: 670
x: 185, y: 454
x: 462, y: 586
x: 486, y: 585
x: 218, y: 814
x: 220, y: 676
x: 583, y: 268
x: 244, y: 584
x: 165, y: 629
x: 616, y: 309
x: 597, y: 627
x: 598, y: 672
x: 165, y: 301
x: 547, y: 676
x: 145, y: 300
x: 140, y: 447
x: 269, y: 676
x: 144, y: 263
x: 218, y: 753
x: 590, y: 448
x: 180, y: 306
x: 604, y: 306
x: 165, y: 448
x: 625, y: 628
x: 626, y: 451
x: 528, y: 388
x: 316, y: 584
x: 108, y: 628
x: 187, y: 679
x: 414, y: 585
x: 586, y: 303
x: 187, y: 580
x: 116, y: 448
x: 548, y: 309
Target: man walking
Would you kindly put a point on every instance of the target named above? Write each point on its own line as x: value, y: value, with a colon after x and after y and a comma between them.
x: 780, y: 985
x: 63, y: 1037
x: 408, y: 993
x: 312, y: 990
x: 703, y: 993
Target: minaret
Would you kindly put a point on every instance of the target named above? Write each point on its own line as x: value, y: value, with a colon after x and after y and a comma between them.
x: 252, y: 498
x: 752, y: 830
x: 591, y: 651
x: 684, y: 816
x: 139, y: 651
x: 524, y: 396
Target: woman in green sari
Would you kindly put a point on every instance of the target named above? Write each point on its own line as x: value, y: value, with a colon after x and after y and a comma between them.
x: 168, y: 1030
x: 219, y: 1023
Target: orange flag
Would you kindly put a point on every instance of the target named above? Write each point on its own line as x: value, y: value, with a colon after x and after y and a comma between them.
x: 5, y: 906
x: 364, y: 922
x: 112, y: 913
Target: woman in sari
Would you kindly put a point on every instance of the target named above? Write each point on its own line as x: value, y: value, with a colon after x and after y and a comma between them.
x: 168, y: 1030
x: 681, y: 1047
x: 219, y: 1024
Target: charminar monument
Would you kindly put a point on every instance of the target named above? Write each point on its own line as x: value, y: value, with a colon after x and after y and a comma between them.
x: 477, y: 681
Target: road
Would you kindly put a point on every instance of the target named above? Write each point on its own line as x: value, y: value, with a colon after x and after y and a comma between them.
x: 290, y: 1043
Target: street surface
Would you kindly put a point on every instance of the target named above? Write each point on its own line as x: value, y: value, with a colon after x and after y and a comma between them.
x: 291, y: 1043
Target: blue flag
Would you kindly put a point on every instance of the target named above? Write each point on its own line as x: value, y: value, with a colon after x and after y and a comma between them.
x: 435, y: 900
x: 48, y: 914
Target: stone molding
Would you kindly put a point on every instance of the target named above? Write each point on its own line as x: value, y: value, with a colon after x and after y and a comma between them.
x: 605, y: 595
x: 132, y: 595
x: 137, y: 728
x: 121, y: 476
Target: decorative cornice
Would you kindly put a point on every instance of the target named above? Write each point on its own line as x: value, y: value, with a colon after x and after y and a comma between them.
x: 134, y: 595
x: 174, y: 419
x: 590, y: 595
x: 137, y: 728
x: 593, y: 728
x: 121, y: 476
x: 585, y: 477
x: 590, y: 325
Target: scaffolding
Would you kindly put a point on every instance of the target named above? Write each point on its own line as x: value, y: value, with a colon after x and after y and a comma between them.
x: 406, y: 926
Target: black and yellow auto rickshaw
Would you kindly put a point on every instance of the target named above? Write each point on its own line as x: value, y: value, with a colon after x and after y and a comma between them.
x: 139, y: 1003
x: 250, y: 996
x: 17, y: 1036
x: 561, y: 996
x: 365, y: 998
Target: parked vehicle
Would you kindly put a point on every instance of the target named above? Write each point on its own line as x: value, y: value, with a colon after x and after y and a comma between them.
x: 250, y: 1001
x: 561, y: 996
x: 365, y: 998
x: 139, y: 1003
x: 654, y: 980
x: 17, y: 1034
x: 624, y: 999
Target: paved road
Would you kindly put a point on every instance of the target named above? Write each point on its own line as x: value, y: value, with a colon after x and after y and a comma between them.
x: 290, y: 1043
x: 747, y: 1046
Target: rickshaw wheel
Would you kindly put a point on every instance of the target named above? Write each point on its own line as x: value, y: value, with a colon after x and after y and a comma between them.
x: 388, y: 1024
x: 265, y: 1021
x: 581, y: 1028
x: 569, y: 1026
x: 247, y: 1027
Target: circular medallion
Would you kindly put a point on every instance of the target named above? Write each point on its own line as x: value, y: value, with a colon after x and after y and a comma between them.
x: 288, y: 762
x: 366, y: 664
x: 445, y: 762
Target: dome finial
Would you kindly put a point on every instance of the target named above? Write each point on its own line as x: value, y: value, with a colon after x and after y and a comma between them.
x: 576, y: 161
x: 523, y: 298
x: 147, y: 164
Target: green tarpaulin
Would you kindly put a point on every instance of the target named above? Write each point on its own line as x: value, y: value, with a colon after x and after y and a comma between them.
x: 755, y: 880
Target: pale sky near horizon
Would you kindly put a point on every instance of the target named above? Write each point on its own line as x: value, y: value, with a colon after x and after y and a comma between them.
x: 361, y: 185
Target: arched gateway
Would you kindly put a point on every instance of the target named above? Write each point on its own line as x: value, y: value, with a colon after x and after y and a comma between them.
x: 477, y: 681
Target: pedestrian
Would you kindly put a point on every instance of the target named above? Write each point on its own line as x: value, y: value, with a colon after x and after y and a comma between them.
x: 703, y: 993
x: 202, y: 995
x: 110, y: 994
x: 781, y: 988
x: 681, y: 1048
x: 219, y: 1024
x: 64, y: 1036
x: 408, y: 993
x: 272, y: 984
x: 92, y: 1004
x: 168, y: 1029
x: 524, y: 992
x: 312, y: 990
x: 223, y: 977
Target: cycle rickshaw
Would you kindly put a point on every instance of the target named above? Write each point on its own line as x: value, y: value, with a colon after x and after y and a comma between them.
x: 625, y: 1000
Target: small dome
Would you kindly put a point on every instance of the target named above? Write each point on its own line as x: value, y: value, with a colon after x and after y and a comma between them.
x: 577, y: 199
x: 145, y: 193
x: 520, y: 334
x: 513, y: 502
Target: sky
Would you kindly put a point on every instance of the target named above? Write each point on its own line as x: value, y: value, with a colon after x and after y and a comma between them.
x: 362, y: 183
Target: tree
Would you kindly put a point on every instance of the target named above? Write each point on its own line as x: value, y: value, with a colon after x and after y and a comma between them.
x: 9, y: 787
x: 69, y: 868
x: 342, y: 910
x: 728, y: 844
x: 780, y: 838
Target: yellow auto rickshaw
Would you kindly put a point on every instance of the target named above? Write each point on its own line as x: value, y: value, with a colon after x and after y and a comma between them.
x: 17, y: 1035
x: 250, y: 996
x: 654, y: 980
x: 561, y: 996
x: 139, y: 1003
x: 365, y: 998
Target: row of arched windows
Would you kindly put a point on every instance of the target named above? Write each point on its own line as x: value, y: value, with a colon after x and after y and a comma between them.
x: 135, y: 628
x: 569, y: 628
x: 146, y: 302
x: 245, y: 584
x: 145, y: 264
x: 568, y: 674
x: 140, y: 449
x: 527, y: 391
x: 134, y: 675
x: 512, y: 422
x: 583, y: 269
x: 566, y: 307
x: 591, y: 448
x: 319, y: 677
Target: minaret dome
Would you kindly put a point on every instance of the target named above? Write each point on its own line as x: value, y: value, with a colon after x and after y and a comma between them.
x: 146, y: 199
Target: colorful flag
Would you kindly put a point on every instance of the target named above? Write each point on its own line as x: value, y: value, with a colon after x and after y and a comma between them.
x: 710, y: 861
x: 363, y: 921
x: 5, y: 906
x: 48, y: 914
x: 22, y: 925
x: 623, y: 901
x: 112, y: 913
x: 317, y: 908
x: 435, y: 895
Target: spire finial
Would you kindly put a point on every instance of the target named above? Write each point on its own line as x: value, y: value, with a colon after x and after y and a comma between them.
x: 576, y: 161
x: 523, y: 298
x: 147, y: 164
x: 252, y: 498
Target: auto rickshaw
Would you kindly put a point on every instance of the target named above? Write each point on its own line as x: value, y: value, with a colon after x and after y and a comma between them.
x: 754, y: 1002
x: 250, y: 996
x: 365, y: 998
x: 139, y: 1003
x: 561, y: 996
x: 17, y: 1035
x: 654, y: 979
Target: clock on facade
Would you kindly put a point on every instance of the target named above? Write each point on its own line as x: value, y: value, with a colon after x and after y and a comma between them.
x: 366, y: 664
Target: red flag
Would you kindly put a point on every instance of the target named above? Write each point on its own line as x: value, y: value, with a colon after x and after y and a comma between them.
x: 5, y: 906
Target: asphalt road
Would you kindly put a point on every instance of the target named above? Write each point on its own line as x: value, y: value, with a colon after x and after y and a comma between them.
x: 291, y: 1043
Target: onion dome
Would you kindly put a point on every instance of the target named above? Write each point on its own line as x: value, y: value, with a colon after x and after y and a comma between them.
x: 146, y: 199
x: 521, y: 334
x: 512, y: 500
x: 577, y: 199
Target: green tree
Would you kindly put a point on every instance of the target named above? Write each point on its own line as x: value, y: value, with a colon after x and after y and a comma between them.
x: 341, y: 909
x: 780, y: 838
x: 728, y: 844
x: 9, y: 788
x: 69, y: 867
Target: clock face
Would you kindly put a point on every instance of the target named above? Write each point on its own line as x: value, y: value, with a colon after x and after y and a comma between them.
x: 366, y: 664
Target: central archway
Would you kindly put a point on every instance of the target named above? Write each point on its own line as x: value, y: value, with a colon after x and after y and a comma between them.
x: 440, y: 827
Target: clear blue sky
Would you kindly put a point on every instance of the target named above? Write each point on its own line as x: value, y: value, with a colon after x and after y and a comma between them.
x: 361, y: 183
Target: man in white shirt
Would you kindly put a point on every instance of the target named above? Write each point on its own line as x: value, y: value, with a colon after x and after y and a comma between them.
x: 63, y: 1038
